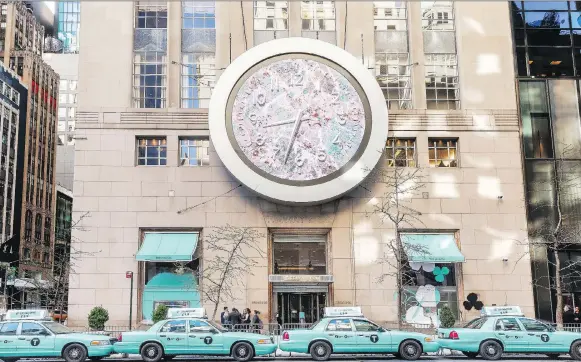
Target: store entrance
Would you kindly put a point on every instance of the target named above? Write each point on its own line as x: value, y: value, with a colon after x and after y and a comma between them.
x: 300, y: 308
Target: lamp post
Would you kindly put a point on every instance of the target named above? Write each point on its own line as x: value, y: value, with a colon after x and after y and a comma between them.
x: 129, y: 275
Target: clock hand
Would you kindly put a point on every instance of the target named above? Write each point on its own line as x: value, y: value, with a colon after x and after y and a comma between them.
x: 279, y: 123
x: 293, y: 136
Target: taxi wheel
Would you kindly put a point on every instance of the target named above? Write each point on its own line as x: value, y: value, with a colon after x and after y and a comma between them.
x: 575, y: 351
x: 410, y: 350
x: 320, y: 351
x: 75, y: 353
x: 242, y: 352
x: 470, y: 354
x: 491, y: 350
x: 151, y: 352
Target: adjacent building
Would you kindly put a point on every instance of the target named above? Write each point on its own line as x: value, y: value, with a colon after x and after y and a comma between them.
x: 148, y: 175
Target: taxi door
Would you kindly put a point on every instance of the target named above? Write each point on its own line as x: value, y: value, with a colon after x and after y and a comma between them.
x: 370, y: 337
x: 8, y: 339
x: 541, y: 337
x: 341, y: 334
x: 35, y: 340
x: 174, y: 337
x: 512, y: 335
x: 204, y: 338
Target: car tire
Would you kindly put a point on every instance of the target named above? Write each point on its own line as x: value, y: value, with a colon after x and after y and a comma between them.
x: 410, y: 350
x: 470, y: 354
x: 75, y: 352
x: 397, y: 355
x: 575, y: 350
x: 553, y: 355
x: 242, y: 352
x: 491, y: 350
x: 151, y: 352
x: 320, y: 351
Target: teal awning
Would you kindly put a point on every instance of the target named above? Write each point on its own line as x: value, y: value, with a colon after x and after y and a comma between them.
x: 167, y: 247
x: 431, y: 248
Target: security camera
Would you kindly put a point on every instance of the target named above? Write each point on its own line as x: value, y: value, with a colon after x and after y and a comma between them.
x: 505, y: 259
x: 500, y: 197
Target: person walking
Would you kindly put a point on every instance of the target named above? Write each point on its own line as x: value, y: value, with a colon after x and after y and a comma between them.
x: 256, y: 322
x: 279, y: 322
x: 225, y: 318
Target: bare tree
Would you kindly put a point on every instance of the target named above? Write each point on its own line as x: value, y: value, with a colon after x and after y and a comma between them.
x: 402, y: 183
x: 553, y: 205
x: 228, y: 264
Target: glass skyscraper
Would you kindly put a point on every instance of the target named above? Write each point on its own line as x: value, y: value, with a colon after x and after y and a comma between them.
x: 68, y: 24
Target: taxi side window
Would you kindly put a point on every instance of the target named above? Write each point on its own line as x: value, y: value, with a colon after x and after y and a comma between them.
x: 31, y: 329
x: 365, y: 326
x: 175, y: 326
x: 198, y: 326
x: 343, y: 325
x: 532, y: 325
x: 8, y: 329
x: 476, y: 323
x: 507, y: 324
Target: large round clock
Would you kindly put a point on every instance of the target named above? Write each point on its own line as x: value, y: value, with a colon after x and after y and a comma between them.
x: 298, y: 120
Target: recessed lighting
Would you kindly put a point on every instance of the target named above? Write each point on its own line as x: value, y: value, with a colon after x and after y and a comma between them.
x: 555, y: 62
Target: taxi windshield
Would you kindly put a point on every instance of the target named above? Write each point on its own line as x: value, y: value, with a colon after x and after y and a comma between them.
x: 315, y: 324
x: 57, y: 328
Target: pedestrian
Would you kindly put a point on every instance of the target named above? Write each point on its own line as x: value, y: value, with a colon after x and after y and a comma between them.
x: 279, y: 322
x: 256, y: 322
x: 246, y: 318
x: 568, y: 315
x: 577, y: 315
x: 235, y: 318
x: 225, y: 318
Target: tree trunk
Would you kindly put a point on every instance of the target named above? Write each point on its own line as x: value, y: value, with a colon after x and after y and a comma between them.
x: 558, y: 287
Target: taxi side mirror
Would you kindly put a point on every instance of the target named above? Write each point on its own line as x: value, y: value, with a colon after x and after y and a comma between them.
x: 381, y: 329
x: 553, y: 327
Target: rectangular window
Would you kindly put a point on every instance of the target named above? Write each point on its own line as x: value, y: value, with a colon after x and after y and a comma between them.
x: 194, y: 151
x: 441, y: 63
x: 393, y: 75
x: 198, y: 14
x: 149, y: 79
x: 401, y: 152
x: 151, y: 14
x: 152, y: 151
x: 198, y: 75
x: 300, y: 254
x: 270, y: 15
x: 443, y: 152
x: 318, y: 15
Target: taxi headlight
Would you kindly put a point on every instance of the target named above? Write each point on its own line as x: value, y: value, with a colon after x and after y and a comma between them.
x: 100, y: 343
x: 428, y: 339
x: 264, y: 341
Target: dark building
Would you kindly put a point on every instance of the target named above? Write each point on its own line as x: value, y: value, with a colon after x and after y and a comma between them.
x: 547, y: 38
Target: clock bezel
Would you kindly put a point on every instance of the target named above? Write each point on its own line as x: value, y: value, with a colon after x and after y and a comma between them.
x: 342, y: 71
x: 300, y: 193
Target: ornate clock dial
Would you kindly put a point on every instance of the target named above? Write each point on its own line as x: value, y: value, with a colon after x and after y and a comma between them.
x: 298, y: 118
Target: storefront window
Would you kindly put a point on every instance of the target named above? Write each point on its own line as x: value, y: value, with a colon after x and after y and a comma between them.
x: 154, y: 268
x: 300, y: 254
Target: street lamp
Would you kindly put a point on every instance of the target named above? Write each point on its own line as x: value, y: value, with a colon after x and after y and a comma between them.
x: 129, y: 275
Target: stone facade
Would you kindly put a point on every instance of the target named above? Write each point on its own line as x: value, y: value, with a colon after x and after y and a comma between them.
x: 481, y: 200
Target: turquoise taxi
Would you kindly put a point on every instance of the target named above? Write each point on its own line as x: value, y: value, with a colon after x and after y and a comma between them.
x: 187, y: 331
x: 33, y: 334
x: 506, y: 330
x: 346, y: 330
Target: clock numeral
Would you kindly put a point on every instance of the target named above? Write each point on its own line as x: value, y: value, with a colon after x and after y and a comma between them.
x: 341, y: 120
x: 297, y: 80
x: 321, y: 155
x: 259, y: 98
x: 274, y: 83
x: 253, y: 118
x: 260, y: 141
x: 299, y: 161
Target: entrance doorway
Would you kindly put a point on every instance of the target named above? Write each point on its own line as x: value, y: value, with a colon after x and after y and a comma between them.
x: 299, y: 308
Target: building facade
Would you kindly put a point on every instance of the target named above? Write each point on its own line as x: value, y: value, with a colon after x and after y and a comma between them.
x: 149, y: 176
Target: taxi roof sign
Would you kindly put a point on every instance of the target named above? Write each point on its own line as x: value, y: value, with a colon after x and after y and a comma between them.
x: 343, y: 312
x: 186, y: 313
x: 500, y: 311
x: 27, y: 314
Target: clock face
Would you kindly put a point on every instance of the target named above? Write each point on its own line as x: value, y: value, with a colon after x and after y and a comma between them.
x: 298, y: 118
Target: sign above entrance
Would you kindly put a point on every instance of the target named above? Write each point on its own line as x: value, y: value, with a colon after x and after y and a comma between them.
x: 186, y: 313
x: 343, y: 312
x: 298, y: 120
x: 277, y: 278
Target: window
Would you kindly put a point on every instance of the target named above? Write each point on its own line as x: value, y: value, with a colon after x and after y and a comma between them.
x: 365, y: 326
x: 318, y: 20
x: 441, y: 63
x: 198, y: 326
x: 401, y: 152
x: 532, y: 325
x: 343, y: 325
x: 38, y: 228
x: 476, y: 323
x: 175, y: 326
x: 152, y: 151
x: 198, y: 14
x: 270, y: 15
x: 31, y: 329
x: 198, y: 75
x: 151, y: 14
x: 507, y: 324
x: 443, y: 152
x: 300, y: 254
x: 8, y: 329
x: 194, y: 151
x: 392, y: 63
x: 26, y: 254
x: 149, y: 79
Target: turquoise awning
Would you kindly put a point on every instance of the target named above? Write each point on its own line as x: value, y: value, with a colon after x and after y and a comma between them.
x: 431, y: 248
x: 167, y: 247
